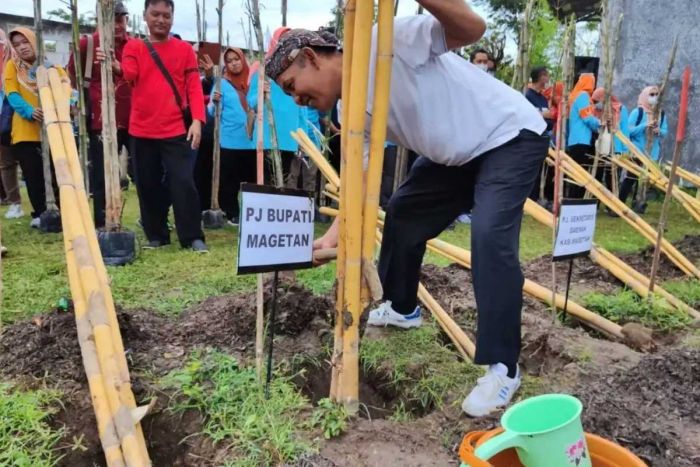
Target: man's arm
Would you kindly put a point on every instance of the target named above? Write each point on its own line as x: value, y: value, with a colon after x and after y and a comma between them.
x: 462, y: 25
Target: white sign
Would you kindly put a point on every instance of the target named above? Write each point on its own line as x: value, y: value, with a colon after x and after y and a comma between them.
x: 276, y: 229
x: 576, y: 228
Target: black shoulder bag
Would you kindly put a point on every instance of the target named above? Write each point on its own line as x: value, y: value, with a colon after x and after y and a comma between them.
x: 186, y: 112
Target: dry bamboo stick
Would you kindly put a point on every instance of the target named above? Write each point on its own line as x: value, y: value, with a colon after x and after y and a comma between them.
x: 216, y: 155
x: 316, y: 155
x: 349, y: 384
x: 655, y: 119
x: 113, y: 194
x: 580, y: 175
x: 677, y: 152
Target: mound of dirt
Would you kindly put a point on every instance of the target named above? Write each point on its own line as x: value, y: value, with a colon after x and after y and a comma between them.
x: 652, y: 408
x: 688, y: 245
x: 46, y: 348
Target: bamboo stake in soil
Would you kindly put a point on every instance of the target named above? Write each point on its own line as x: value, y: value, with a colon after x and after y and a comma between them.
x: 348, y: 389
x: 218, y: 73
x: 338, y: 333
x: 254, y: 15
x: 380, y: 114
x: 655, y: 121
x: 83, y: 136
x: 113, y: 197
x: 680, y: 136
x: 45, y: 156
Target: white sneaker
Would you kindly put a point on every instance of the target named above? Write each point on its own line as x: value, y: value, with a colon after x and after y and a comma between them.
x: 384, y: 315
x: 14, y: 212
x: 35, y: 223
x: 492, y: 391
x: 464, y: 219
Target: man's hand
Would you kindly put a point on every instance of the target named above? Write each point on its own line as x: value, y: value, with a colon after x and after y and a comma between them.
x: 101, y: 56
x: 195, y: 134
x: 207, y: 64
x: 327, y: 241
x: 215, y: 96
x: 267, y: 87
x: 38, y: 115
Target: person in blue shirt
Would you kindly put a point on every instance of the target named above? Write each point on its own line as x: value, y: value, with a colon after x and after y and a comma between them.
x: 582, y: 124
x: 286, y: 116
x: 641, y: 123
x: 612, y: 123
x: 238, y: 160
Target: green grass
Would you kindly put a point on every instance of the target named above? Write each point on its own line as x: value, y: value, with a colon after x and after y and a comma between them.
x: 686, y: 290
x: 258, y: 431
x: 627, y: 306
x: 421, y: 369
x: 171, y: 279
x: 26, y: 439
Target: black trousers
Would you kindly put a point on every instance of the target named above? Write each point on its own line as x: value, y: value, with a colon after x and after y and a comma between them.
x: 203, y: 171
x: 96, y: 170
x: 164, y: 173
x: 29, y: 156
x: 237, y: 166
x: 494, y: 186
x: 583, y: 155
x: 628, y: 187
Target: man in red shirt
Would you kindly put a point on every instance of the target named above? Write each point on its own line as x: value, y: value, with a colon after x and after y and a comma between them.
x: 122, y: 91
x: 164, y: 149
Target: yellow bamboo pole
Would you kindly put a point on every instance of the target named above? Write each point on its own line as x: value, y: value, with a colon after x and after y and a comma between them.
x: 82, y: 267
x: 581, y: 176
x: 338, y: 332
x: 348, y: 389
x: 380, y: 114
x: 689, y: 177
x: 60, y: 88
x: 690, y: 204
x: 105, y: 423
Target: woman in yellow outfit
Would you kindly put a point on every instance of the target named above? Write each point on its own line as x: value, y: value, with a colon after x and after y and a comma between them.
x: 23, y: 95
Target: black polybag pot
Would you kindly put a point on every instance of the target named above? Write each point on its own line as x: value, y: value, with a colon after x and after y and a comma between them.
x: 117, y: 248
x: 213, y: 219
x: 50, y: 221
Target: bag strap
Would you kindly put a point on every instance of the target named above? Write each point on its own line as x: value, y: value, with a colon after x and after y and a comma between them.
x: 89, y: 58
x: 164, y: 71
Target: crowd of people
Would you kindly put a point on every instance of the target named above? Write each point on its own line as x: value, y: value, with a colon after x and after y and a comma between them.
x: 167, y: 98
x: 587, y: 119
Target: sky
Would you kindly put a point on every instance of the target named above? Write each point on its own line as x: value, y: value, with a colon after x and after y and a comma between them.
x: 308, y: 14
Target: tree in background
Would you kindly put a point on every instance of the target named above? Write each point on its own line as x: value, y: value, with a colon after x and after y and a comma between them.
x: 64, y: 14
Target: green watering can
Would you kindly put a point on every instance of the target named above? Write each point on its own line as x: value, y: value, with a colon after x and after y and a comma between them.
x: 546, y: 431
